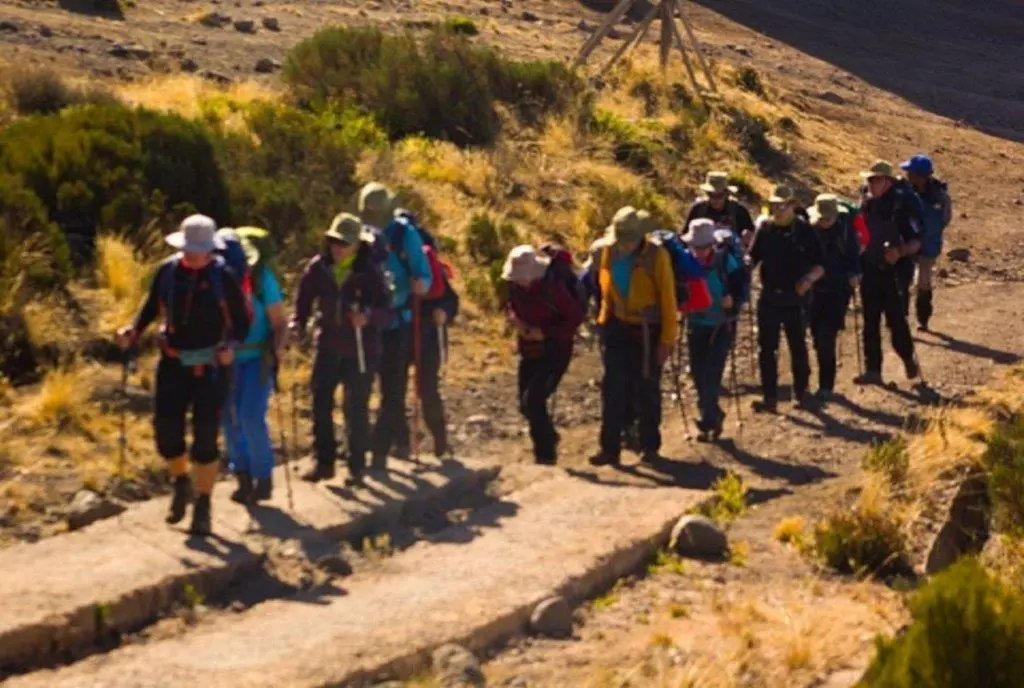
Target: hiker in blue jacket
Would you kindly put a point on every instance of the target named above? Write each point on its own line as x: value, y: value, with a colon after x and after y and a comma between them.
x: 408, y: 273
x: 936, y: 211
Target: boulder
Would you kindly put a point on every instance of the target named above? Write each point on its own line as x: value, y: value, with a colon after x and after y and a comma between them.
x: 966, y: 528
x: 88, y: 507
x: 959, y: 255
x: 267, y: 66
x: 189, y: 65
x: 245, y: 26
x: 553, y: 618
x: 698, y: 536
x: 530, y: 17
x: 8, y: 27
x: 832, y: 97
x: 215, y: 20
x: 130, y: 51
x: 457, y: 667
x: 271, y: 24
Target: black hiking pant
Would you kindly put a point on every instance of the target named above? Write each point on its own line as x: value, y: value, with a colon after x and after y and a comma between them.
x: 772, y: 319
x: 827, y: 319
x: 880, y: 293
x: 329, y: 371
x: 392, y: 426
x: 624, y: 381
x: 428, y: 387
x: 179, y: 389
x: 539, y: 377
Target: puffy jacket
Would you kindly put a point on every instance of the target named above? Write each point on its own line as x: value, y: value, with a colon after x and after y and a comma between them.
x: 365, y: 286
x: 405, y: 262
x: 652, y: 289
x: 936, y: 211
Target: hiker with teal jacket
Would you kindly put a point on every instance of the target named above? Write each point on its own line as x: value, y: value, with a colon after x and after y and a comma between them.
x: 246, y: 434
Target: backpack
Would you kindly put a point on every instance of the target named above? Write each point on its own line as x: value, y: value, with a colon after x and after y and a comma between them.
x: 166, y: 289
x: 441, y: 271
x: 234, y: 254
x: 562, y: 269
x: 684, y: 266
x: 263, y: 242
x: 719, y: 264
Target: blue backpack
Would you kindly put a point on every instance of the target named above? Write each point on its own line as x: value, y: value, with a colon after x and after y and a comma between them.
x: 684, y: 266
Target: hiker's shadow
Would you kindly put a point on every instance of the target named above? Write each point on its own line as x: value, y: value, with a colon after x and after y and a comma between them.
x: 661, y: 472
x: 890, y: 420
x: 833, y: 427
x: 216, y: 546
x: 490, y: 516
x: 794, y: 474
x: 970, y: 348
x: 108, y: 9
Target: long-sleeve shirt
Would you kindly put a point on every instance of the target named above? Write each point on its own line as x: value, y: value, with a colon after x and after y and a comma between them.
x: 364, y: 288
x: 733, y: 215
x: 840, y: 255
x: 785, y: 255
x: 197, y: 319
x: 894, y: 219
x: 404, y: 263
x: 547, y: 305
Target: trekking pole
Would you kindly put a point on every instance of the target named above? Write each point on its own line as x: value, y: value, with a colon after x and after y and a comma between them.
x: 360, y: 351
x: 680, y: 387
x: 752, y: 340
x: 856, y: 334
x: 734, y: 385
x: 442, y: 346
x: 414, y: 439
x: 295, y: 402
x: 284, y: 441
x: 127, y: 368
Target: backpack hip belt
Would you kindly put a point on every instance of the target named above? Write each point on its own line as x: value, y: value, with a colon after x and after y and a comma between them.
x: 196, y: 359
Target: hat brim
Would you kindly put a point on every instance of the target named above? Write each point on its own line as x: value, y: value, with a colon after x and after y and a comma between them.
x: 779, y: 199
x: 252, y: 254
x: 335, y: 236
x: 535, y: 271
x: 690, y: 239
x: 868, y: 174
x: 177, y: 240
x: 707, y: 188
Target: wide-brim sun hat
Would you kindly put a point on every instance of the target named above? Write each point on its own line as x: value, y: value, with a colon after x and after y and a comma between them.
x: 196, y: 234
x: 376, y: 204
x: 826, y: 207
x: 700, y: 234
x: 627, y: 225
x: 881, y: 168
x: 524, y: 264
x: 782, y: 194
x: 346, y: 228
x: 718, y: 183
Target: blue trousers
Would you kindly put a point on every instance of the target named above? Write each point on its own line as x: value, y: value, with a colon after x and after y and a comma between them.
x: 709, y: 352
x: 246, y: 433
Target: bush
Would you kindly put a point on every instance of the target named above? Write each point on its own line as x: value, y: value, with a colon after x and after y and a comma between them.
x: 114, y: 167
x: 44, y: 92
x: 890, y: 459
x: 633, y: 147
x: 1004, y: 460
x: 33, y: 252
x: 461, y: 25
x: 442, y: 87
x: 749, y: 80
x: 488, y: 241
x: 862, y: 540
x: 968, y: 630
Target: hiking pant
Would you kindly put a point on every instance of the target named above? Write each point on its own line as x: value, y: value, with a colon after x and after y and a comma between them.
x: 178, y: 389
x: 428, y: 387
x: 709, y: 352
x: 246, y: 434
x: 623, y: 360
x: 329, y: 371
x: 538, y: 379
x: 827, y: 320
x: 880, y: 294
x: 391, y: 426
x: 771, y: 320
x: 923, y: 304
x: 905, y: 275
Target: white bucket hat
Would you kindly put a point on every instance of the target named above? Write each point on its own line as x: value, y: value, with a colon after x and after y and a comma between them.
x: 197, y: 234
x: 701, y: 234
x: 524, y: 264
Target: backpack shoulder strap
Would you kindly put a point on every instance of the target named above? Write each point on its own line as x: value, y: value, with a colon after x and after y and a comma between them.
x: 166, y: 289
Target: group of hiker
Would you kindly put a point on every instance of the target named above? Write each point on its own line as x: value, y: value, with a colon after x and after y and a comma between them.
x: 382, y: 300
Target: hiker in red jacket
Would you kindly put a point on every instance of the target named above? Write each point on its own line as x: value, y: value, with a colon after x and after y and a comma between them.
x: 546, y: 316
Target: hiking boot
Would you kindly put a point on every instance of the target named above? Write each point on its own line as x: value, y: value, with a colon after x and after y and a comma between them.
x: 603, y: 459
x: 402, y: 453
x: 869, y: 378
x: 704, y: 436
x: 823, y: 395
x: 264, y: 489
x: 243, y: 493
x: 546, y: 460
x: 202, y: 523
x: 355, y: 480
x: 320, y: 472
x: 379, y: 463
x: 180, y: 500
x: 765, y: 406
x: 912, y: 367
x: 650, y: 456
x: 803, y: 401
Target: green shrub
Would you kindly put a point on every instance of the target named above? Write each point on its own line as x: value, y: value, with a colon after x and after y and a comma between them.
x: 633, y: 147
x: 33, y: 252
x: 44, y: 92
x: 442, y: 87
x: 888, y: 458
x: 461, y: 25
x: 488, y: 241
x: 749, y: 80
x: 729, y: 501
x: 967, y: 630
x: 113, y: 167
x: 1004, y: 461
x: 862, y: 540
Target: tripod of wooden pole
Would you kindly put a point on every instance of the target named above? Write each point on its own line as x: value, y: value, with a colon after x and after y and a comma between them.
x: 665, y: 11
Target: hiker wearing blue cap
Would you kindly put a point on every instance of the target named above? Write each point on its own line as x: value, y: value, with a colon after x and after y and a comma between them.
x: 937, y: 211
x: 205, y: 317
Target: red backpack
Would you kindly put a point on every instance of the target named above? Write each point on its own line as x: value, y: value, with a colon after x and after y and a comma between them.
x: 440, y: 274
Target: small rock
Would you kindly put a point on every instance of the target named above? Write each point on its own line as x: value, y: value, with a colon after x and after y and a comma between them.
x: 698, y: 536
x: 478, y: 420
x: 217, y: 77
x: 88, y: 507
x: 963, y: 216
x: 245, y: 26
x: 832, y: 97
x: 943, y: 273
x: 959, y: 255
x: 614, y: 34
x: 130, y: 51
x: 553, y: 618
x: 189, y: 65
x: 271, y: 24
x: 530, y: 16
x: 584, y: 26
x: 46, y: 32
x: 215, y: 20
x: 199, y: 41
x: 457, y: 666
x: 8, y: 27
x: 742, y: 50
x: 267, y: 66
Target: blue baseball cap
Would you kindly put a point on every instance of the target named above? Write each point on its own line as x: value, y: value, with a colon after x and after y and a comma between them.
x: 919, y: 164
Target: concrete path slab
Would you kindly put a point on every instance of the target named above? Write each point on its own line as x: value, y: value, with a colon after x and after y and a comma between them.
x: 475, y: 584
x: 136, y: 565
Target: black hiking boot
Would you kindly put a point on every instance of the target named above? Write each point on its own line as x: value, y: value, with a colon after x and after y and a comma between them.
x: 243, y: 493
x: 355, y: 480
x: 650, y: 456
x: 870, y: 377
x: 264, y: 490
x: 180, y: 500
x: 379, y: 463
x: 603, y: 459
x: 320, y: 472
x: 824, y: 396
x: 202, y: 523
x: 912, y: 367
x: 765, y: 406
x: 402, y: 453
x: 804, y: 401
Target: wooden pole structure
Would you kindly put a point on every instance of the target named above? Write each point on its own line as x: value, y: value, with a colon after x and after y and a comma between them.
x: 696, y: 49
x: 635, y: 38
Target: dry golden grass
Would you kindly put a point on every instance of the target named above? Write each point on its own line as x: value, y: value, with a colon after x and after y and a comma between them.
x: 61, y: 400
x: 185, y: 94
x: 124, y: 276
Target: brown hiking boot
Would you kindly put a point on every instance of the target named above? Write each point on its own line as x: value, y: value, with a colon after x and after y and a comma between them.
x: 202, y: 522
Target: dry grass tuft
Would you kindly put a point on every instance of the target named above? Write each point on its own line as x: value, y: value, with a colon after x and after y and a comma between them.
x: 122, y: 273
x: 189, y: 95
x: 61, y: 401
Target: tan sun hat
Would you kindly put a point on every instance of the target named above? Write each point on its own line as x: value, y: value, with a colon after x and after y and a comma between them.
x: 826, y: 207
x: 346, y: 228
x: 376, y: 205
x: 717, y: 183
x: 782, y: 194
x: 881, y: 168
x: 627, y: 225
x: 524, y: 264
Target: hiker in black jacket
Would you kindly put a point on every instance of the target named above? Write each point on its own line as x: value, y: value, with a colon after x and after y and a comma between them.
x: 205, y: 316
x: 841, y: 261
x: 894, y: 224
x: 720, y: 207
x: 790, y: 259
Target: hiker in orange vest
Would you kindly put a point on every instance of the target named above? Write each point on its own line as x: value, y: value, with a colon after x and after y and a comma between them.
x: 638, y: 329
x: 205, y: 317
